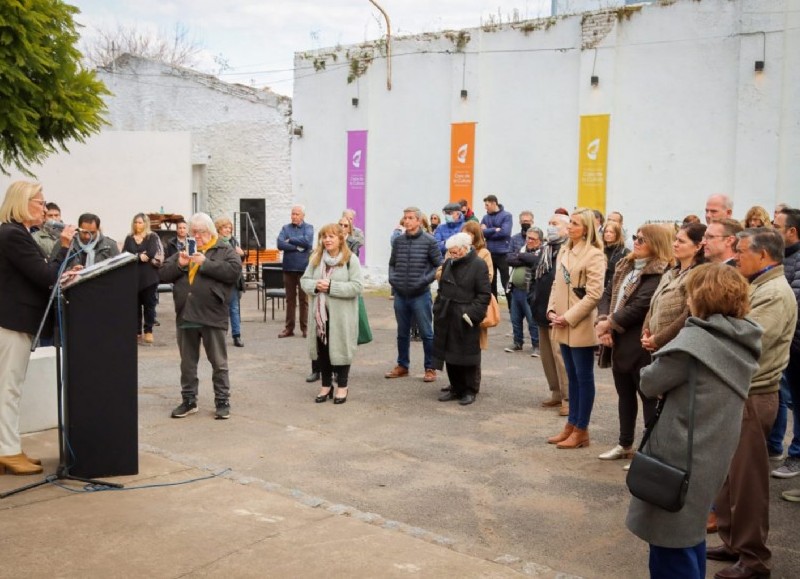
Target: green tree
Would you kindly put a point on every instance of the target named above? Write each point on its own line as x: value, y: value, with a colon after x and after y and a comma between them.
x: 46, y: 97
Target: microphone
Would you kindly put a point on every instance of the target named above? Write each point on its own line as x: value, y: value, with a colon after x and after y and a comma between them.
x: 55, y: 226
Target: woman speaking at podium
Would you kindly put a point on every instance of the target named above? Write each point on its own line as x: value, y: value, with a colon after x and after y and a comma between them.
x: 25, y: 281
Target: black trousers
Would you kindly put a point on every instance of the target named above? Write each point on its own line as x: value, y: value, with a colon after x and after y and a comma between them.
x: 146, y: 308
x: 501, y: 272
x: 327, y: 370
x: 627, y: 385
x: 463, y: 379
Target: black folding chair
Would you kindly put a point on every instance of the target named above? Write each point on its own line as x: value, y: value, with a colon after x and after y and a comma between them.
x: 272, y: 286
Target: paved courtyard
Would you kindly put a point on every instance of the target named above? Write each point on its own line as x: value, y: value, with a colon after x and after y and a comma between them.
x: 393, y: 483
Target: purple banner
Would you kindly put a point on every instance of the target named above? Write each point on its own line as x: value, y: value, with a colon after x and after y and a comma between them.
x: 357, y: 180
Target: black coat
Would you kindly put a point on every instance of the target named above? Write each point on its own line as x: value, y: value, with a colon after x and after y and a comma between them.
x: 26, y: 278
x: 463, y: 289
x: 539, y: 289
x: 205, y: 301
x: 147, y: 272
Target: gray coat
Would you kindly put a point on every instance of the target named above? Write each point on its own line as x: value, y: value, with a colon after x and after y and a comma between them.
x: 726, y: 351
x: 342, y: 301
x: 205, y: 301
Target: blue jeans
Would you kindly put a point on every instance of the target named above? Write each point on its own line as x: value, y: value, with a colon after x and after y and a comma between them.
x: 521, y: 310
x: 579, y: 363
x: 235, y: 313
x: 419, y: 308
x: 788, y: 399
x: 686, y: 563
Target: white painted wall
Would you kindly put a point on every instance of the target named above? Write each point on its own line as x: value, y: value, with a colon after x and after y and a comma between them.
x: 239, y: 134
x: 689, y: 117
x: 115, y: 175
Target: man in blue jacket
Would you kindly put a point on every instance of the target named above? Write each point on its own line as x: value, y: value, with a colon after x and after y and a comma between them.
x: 296, y: 240
x: 453, y: 222
x: 496, y: 225
x: 412, y: 267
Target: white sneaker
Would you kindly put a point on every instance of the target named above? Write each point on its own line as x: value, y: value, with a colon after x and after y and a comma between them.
x: 617, y: 453
x: 790, y: 468
x: 627, y: 467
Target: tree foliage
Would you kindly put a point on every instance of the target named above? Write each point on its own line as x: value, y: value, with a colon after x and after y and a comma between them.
x: 46, y: 98
x: 175, y: 47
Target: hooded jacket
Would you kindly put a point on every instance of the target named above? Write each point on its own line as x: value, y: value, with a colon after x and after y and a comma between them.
x: 725, y: 351
x: 445, y: 231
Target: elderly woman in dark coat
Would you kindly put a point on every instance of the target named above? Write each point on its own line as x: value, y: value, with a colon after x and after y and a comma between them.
x: 725, y: 348
x: 460, y: 307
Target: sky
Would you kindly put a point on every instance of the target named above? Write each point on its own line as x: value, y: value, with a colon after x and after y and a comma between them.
x: 257, y: 39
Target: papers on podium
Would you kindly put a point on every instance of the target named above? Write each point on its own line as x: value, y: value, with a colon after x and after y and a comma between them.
x: 73, y: 278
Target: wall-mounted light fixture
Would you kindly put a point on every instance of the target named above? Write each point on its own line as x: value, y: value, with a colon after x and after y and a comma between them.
x: 297, y: 131
x: 594, y: 80
x: 759, y: 65
x: 354, y: 100
x: 464, y: 94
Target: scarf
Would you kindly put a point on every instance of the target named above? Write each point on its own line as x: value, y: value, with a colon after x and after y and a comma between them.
x: 546, y: 261
x: 630, y: 281
x: 328, y: 264
x: 194, y: 267
x: 88, y: 248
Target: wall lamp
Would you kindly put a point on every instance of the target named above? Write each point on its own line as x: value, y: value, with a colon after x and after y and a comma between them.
x: 464, y: 94
x: 759, y: 67
x: 595, y: 80
x: 354, y: 101
x: 297, y: 131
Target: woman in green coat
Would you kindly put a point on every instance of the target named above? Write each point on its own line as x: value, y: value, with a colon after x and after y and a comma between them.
x: 333, y: 282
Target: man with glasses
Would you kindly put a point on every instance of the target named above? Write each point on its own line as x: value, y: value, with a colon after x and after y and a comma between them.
x: 202, y: 288
x: 720, y: 241
x: 90, y: 246
x: 523, y: 261
x: 742, y: 505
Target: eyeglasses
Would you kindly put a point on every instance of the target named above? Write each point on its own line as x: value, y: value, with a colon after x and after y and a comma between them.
x: 638, y: 239
x: 195, y: 232
x: 40, y: 201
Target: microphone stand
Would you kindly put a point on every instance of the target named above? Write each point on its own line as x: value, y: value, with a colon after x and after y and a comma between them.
x: 62, y: 472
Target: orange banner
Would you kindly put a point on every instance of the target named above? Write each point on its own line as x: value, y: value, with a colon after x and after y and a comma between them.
x: 462, y: 161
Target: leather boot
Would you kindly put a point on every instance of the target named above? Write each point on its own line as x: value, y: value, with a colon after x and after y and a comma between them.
x: 36, y: 461
x: 18, y: 464
x: 563, y: 435
x: 577, y: 439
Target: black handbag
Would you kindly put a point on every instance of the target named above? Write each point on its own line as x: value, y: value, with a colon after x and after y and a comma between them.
x: 657, y: 482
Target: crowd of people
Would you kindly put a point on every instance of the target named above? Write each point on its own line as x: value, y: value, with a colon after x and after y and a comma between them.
x: 698, y: 323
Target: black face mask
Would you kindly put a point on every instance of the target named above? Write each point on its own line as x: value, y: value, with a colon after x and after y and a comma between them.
x: 525, y: 227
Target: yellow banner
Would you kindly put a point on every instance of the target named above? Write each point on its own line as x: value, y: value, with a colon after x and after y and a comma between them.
x: 462, y: 161
x: 593, y: 161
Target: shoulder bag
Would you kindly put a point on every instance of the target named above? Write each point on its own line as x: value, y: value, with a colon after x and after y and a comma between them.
x: 657, y: 482
x: 492, y: 313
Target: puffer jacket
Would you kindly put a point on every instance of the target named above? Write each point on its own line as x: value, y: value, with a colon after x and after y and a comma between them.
x: 413, y: 263
x: 498, y: 241
x: 296, y: 243
x: 791, y: 267
x: 445, y: 231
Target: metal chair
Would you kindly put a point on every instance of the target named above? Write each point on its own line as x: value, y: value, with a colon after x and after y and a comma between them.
x: 272, y: 287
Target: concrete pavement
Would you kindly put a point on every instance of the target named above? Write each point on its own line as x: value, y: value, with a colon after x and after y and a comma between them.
x: 393, y: 483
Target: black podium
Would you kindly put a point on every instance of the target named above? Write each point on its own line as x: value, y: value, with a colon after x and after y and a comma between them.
x: 100, y: 370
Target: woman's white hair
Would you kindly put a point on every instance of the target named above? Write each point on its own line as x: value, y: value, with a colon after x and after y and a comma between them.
x: 459, y: 240
x: 203, y: 220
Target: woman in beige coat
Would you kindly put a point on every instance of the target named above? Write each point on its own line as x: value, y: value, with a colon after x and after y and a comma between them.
x: 572, y: 310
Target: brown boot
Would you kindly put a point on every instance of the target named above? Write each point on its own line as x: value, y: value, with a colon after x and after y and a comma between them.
x: 577, y: 439
x: 18, y: 464
x: 36, y: 461
x: 563, y: 435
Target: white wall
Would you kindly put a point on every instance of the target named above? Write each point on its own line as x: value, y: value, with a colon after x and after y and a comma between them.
x: 689, y: 116
x: 240, y: 134
x: 115, y: 175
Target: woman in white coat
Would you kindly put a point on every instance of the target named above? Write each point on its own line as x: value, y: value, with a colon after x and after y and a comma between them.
x: 333, y: 281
